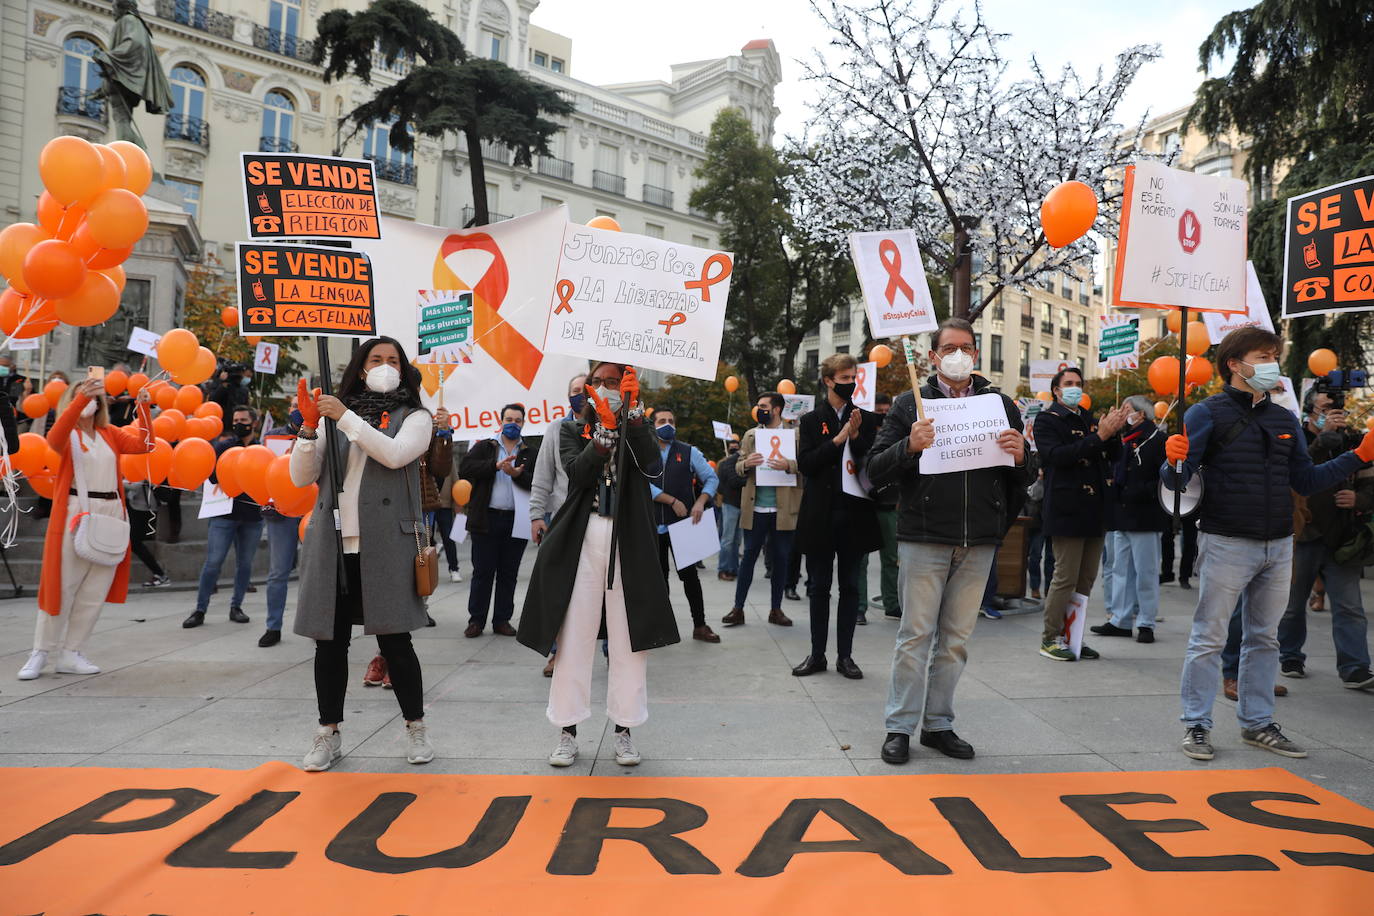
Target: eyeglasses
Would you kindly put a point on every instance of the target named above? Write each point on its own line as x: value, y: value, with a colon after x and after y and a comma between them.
x: 603, y: 382
x: 947, y: 349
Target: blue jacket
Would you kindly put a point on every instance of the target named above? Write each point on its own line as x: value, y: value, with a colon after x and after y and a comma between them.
x: 1076, y: 465
x: 1247, y: 486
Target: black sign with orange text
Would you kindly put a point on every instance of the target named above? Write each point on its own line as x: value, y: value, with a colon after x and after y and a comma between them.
x: 1328, y: 258
x: 310, y: 197
x: 305, y: 290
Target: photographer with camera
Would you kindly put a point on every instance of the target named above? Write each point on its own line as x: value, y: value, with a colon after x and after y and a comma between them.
x: 229, y: 387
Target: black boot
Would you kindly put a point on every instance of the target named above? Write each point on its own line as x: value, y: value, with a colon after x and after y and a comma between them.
x: 897, y: 748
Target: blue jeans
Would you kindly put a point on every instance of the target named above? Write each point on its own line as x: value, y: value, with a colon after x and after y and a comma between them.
x: 441, y: 523
x: 728, y: 561
x: 1040, y: 546
x: 283, y: 537
x: 1135, y: 579
x: 779, y: 548
x: 224, y: 533
x: 1348, y: 624
x: 1107, y: 571
x: 941, y: 590
x: 1231, y: 568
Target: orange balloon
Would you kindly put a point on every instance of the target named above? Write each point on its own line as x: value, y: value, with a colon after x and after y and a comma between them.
x: 117, y: 218
x: 136, y: 383
x: 303, y: 504
x: 227, y: 471
x: 178, y: 420
x: 1161, y: 409
x: 53, y: 390
x: 305, y: 523
x: 193, y: 460
x: 210, y: 409
x: 787, y: 386
x: 1163, y: 375
x: 16, y: 241
x: 229, y: 317
x: 53, y: 269
x: 1044, y: 396
x: 1068, y: 212
x: 1322, y: 361
x: 603, y: 222
x: 1087, y: 402
x: 1199, y: 371
x: 159, y: 461
x: 462, y: 491
x: 731, y: 384
x: 138, y: 168
x: 116, y: 381
x: 880, y: 354
x: 112, y: 172
x: 1198, y: 339
x: 253, y: 340
x: 117, y: 274
x: 23, y: 317
x: 213, y: 427
x: 29, y: 459
x: 71, y: 169
x: 200, y: 370
x: 165, y: 396
x: 252, y: 472
x: 196, y: 428
x: 58, y: 221
x: 279, y: 486
x: 36, y: 405
x: 188, y: 399
x: 45, y: 485
x: 134, y: 468
x: 1173, y: 320
x: 754, y: 412
x: 712, y: 464
x: 94, y: 302
x: 177, y: 349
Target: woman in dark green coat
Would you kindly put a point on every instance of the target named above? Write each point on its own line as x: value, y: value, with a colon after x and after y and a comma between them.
x: 610, y: 461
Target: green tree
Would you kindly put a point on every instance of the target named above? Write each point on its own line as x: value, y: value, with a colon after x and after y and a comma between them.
x: 446, y: 90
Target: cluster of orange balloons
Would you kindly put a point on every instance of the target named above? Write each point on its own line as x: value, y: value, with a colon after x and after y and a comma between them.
x: 1067, y: 213
x: 266, y: 478
x: 39, y: 403
x: 65, y: 268
x: 1163, y: 374
x: 37, y: 461
x: 186, y: 361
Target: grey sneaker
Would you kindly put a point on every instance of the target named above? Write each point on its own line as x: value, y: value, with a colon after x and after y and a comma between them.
x: 565, y: 753
x: 625, y: 753
x: 1271, y: 739
x: 1197, y: 743
x: 328, y: 747
x: 418, y: 748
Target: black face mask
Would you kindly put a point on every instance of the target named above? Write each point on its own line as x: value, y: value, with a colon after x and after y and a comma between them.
x: 242, y: 429
x: 765, y: 417
x: 844, y: 390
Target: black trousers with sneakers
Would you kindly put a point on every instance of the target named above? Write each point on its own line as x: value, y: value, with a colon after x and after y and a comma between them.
x: 691, y: 582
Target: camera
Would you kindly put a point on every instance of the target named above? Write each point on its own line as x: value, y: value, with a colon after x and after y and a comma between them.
x: 234, y: 368
x: 1336, y: 383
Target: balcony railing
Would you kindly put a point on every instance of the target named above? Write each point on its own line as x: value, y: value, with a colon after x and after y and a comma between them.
x: 277, y: 145
x: 997, y: 365
x: 197, y: 16
x: 1065, y: 334
x: 561, y: 169
x: 1047, y: 326
x: 396, y: 172
x: 470, y: 214
x: 1082, y: 338
x: 1025, y: 368
x: 1082, y: 298
x: 496, y: 152
x: 1028, y: 322
x: 187, y: 129
x: 82, y: 103
x: 282, y: 43
x: 659, y: 197
x: 605, y: 181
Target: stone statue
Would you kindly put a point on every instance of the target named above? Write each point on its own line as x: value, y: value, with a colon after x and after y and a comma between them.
x: 132, y: 72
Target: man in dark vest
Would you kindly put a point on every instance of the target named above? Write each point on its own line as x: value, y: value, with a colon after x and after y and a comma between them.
x: 675, y: 499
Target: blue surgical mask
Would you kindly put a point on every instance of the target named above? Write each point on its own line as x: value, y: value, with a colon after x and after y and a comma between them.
x: 245, y: 381
x: 1320, y: 422
x: 511, y: 431
x: 4, y: 371
x: 667, y: 432
x: 1071, y: 396
x: 1266, y: 376
x: 578, y: 402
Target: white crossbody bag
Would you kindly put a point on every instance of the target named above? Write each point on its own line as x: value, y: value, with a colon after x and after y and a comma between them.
x: 99, y: 539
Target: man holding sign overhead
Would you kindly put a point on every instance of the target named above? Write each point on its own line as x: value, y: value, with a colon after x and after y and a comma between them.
x: 962, y: 478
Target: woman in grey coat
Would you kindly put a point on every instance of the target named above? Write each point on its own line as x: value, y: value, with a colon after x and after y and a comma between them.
x: 381, y: 432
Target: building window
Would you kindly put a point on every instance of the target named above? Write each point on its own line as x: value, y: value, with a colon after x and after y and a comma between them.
x: 842, y: 348
x: 186, y: 121
x: 653, y: 230
x: 1044, y: 352
x: 701, y: 241
x: 190, y: 195
x: 605, y: 213
x: 997, y: 353
x: 278, y: 123
x: 1063, y: 357
x: 284, y: 18
x: 80, y: 79
x: 493, y: 44
x: 556, y: 65
x: 840, y: 323
x: 1025, y: 359
x: 546, y: 202
x: 392, y: 164
x: 540, y: 59
x: 812, y: 363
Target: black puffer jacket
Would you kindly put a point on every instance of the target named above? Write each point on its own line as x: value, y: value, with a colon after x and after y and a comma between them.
x: 1133, y: 490
x: 1076, y: 464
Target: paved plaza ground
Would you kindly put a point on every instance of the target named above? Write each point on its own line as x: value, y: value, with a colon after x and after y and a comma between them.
x: 209, y: 697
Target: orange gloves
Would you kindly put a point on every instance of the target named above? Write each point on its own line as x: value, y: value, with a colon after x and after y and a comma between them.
x: 308, y: 404
x: 603, y: 410
x: 1176, y: 448
x: 1366, y: 447
x: 629, y: 388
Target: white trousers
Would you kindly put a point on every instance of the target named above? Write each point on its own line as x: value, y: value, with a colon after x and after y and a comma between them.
x: 84, y: 587
x: 570, y: 694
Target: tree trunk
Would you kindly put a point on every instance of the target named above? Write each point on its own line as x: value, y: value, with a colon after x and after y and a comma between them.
x: 963, y: 275
x: 478, y: 170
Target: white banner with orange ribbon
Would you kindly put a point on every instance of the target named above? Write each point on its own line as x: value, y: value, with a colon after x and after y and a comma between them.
x: 639, y: 300
x: 894, y: 283
x: 476, y: 302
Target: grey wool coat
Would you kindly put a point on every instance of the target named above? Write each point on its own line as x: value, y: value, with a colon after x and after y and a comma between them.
x: 647, y: 605
x: 389, y: 511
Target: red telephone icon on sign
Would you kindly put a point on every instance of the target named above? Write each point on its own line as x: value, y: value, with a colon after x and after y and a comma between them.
x: 266, y: 224
x: 1311, y: 288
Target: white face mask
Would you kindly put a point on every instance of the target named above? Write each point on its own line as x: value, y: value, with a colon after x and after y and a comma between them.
x: 957, y: 366
x: 383, y: 379
x: 1134, y: 418
x: 91, y: 407
x: 613, y: 401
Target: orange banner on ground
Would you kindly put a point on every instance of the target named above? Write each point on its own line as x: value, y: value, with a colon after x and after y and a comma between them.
x: 277, y: 840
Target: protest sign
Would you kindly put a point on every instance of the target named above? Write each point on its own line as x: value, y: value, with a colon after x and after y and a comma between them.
x: 1328, y: 251
x: 265, y: 357
x: 775, y: 443
x: 214, y: 502
x: 722, y: 430
x: 865, y: 385
x: 1030, y: 409
x: 966, y: 432
x: 694, y: 541
x: 443, y: 324
x: 1075, y: 619
x: 279, y: 444
x: 1043, y: 371
x: 28, y: 343
x: 305, y: 290
x: 893, y: 280
x: 638, y: 300
x: 508, y: 269
x: 1256, y: 314
x: 309, y: 197
x: 794, y: 405
x: 143, y: 341
x: 853, y: 477
x: 1182, y: 241
x: 1118, y: 342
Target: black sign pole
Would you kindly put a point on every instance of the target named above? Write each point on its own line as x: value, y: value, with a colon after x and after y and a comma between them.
x: 1182, y: 406
x: 331, y: 443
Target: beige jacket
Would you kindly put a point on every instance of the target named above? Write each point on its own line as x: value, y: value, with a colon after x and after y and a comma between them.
x: 789, y: 498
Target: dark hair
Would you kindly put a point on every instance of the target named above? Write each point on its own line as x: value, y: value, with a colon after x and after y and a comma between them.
x: 653, y: 417
x: 881, y: 398
x: 244, y: 408
x: 1242, y: 341
x: 777, y: 400
x: 519, y: 407
x: 354, y: 382
x: 1054, y: 383
x: 953, y: 324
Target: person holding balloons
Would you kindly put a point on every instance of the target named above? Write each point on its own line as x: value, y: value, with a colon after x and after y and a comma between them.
x: 73, y: 588
x: 381, y: 433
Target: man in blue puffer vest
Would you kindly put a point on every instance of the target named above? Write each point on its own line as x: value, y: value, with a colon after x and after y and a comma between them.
x: 1252, y: 455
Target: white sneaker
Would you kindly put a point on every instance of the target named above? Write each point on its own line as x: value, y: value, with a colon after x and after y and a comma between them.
x: 625, y: 753
x: 565, y: 753
x: 328, y: 748
x: 70, y: 662
x: 455, y: 576
x: 34, y: 666
x: 418, y: 748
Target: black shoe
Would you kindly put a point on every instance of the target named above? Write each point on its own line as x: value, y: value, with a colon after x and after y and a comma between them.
x: 897, y: 748
x: 845, y: 665
x: 269, y: 638
x: 1145, y: 634
x: 893, y: 615
x: 1086, y: 653
x: 791, y: 594
x: 1110, y: 629
x: 195, y: 620
x: 947, y: 743
x: 1292, y: 668
x: 1165, y: 578
x: 1183, y: 583
x: 862, y: 619
x: 1358, y: 680
x: 429, y: 621
x: 814, y: 664
x: 237, y: 615
x: 735, y: 618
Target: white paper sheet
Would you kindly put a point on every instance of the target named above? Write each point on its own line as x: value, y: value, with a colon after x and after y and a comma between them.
x: 854, y: 477
x: 214, y: 502
x: 693, y: 542
x: 521, y: 529
x: 1075, y: 617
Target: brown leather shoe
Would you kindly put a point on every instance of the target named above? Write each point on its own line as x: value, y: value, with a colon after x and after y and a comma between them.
x: 503, y: 629
x: 474, y: 629
x: 1280, y: 690
x: 548, y: 669
x: 725, y: 576
x: 776, y: 616
x: 735, y: 618
x: 1228, y: 687
x: 705, y: 634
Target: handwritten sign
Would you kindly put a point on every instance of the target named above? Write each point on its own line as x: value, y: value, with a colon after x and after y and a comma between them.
x: 1256, y: 314
x: 1182, y: 240
x: 265, y: 357
x: 634, y: 299
x: 214, y: 502
x: 1118, y: 342
x: 893, y: 280
x: 310, y: 197
x: 775, y: 443
x: 865, y: 385
x: 143, y: 341
x: 722, y: 430
x: 966, y: 431
x: 1328, y: 252
x: 304, y: 290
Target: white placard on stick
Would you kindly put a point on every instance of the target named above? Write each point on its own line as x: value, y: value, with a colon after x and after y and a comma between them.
x: 865, y: 385
x: 722, y: 430
x: 1256, y: 314
x: 853, y: 476
x: 693, y: 541
x: 966, y: 431
x: 1042, y: 372
x: 794, y: 405
x: 214, y: 502
x: 893, y: 280
x: 775, y: 443
x: 1075, y: 620
x: 144, y: 341
x: 265, y: 357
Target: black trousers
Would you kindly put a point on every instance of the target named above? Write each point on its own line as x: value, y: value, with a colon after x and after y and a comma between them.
x: 495, y: 561
x: 143, y: 528
x: 331, y: 657
x: 1189, y: 558
x: 691, y: 582
x: 820, y: 566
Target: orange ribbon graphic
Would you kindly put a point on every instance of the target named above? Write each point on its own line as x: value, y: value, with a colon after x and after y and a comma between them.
x: 849, y: 468
x: 776, y: 442
x: 516, y: 354
x: 891, y: 257
x: 565, y: 291
x: 860, y: 376
x: 709, y: 279
x: 670, y: 323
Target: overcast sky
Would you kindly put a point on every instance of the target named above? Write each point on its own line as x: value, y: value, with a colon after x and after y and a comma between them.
x: 628, y: 40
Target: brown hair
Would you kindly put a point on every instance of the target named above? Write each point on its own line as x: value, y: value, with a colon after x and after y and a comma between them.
x: 837, y: 363
x: 953, y: 324
x: 1240, y: 342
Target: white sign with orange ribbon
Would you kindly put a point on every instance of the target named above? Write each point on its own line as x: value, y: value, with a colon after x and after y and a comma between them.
x: 865, y: 385
x: 894, y: 282
x: 639, y: 300
x: 775, y: 443
x: 966, y: 431
x: 853, y: 476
